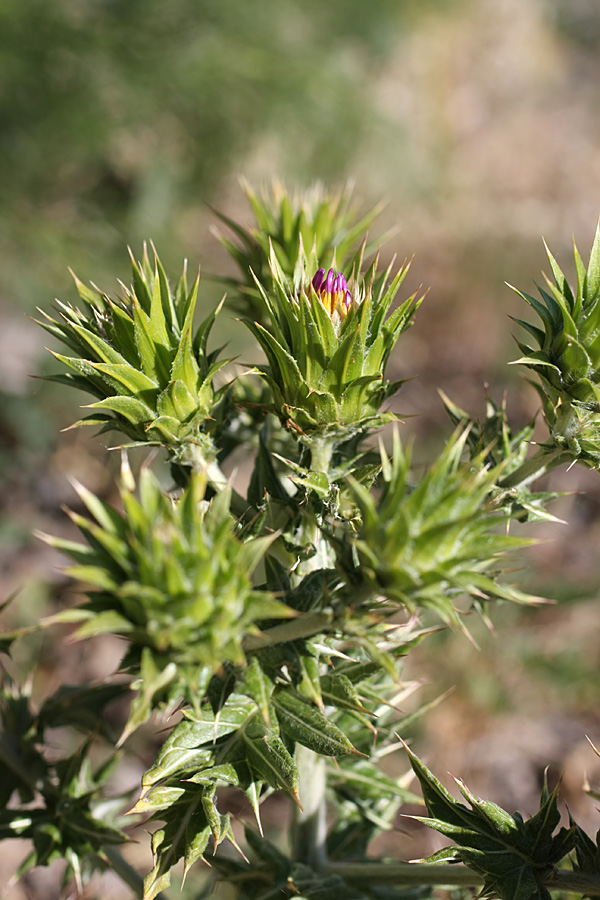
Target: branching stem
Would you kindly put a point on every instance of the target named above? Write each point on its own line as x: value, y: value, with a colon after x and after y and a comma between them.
x: 309, y: 829
x: 127, y: 873
x: 537, y: 465
x: 399, y: 873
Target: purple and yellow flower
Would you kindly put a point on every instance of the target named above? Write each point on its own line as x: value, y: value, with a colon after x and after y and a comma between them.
x: 332, y: 291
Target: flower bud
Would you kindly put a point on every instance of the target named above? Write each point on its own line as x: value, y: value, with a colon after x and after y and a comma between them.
x: 567, y: 362
x: 328, y: 347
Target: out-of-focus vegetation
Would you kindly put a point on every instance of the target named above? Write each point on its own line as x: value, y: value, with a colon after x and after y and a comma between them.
x: 121, y: 120
x: 119, y: 116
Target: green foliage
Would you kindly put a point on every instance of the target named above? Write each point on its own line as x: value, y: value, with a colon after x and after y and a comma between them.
x: 247, y: 742
x: 326, y: 372
x: 493, y: 443
x: 326, y: 225
x: 143, y: 359
x: 514, y: 855
x: 174, y: 579
x: 567, y: 362
x: 274, y: 625
x: 428, y: 546
x: 58, y: 804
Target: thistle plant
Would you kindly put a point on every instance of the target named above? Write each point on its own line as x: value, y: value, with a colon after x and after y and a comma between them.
x: 264, y: 635
x: 567, y: 359
x: 327, y: 348
x: 326, y: 225
x: 145, y: 361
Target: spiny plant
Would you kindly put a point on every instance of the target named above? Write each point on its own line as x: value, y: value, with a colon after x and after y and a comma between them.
x: 325, y: 225
x: 265, y: 634
x: 567, y: 362
x: 144, y: 359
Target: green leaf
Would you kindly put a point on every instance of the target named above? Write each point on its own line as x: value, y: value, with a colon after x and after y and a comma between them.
x: 153, y: 680
x: 338, y: 691
x: 265, y: 478
x: 130, y: 408
x: 592, y: 281
x: 268, y: 758
x: 176, y: 402
x: 304, y: 723
x: 185, y: 368
x: 107, y: 622
x: 187, y: 744
x: 310, y: 680
x: 123, y: 332
x: 259, y: 687
x: 99, y: 347
x: 134, y: 381
x: 185, y: 835
x: 80, y: 706
x: 514, y: 856
x: 154, y: 356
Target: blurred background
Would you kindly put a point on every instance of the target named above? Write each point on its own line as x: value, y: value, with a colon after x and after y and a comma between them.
x: 477, y: 121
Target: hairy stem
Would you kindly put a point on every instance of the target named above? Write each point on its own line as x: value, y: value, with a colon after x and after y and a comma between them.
x: 304, y: 626
x: 321, y: 451
x: 127, y: 873
x: 200, y: 462
x: 405, y: 873
x: 452, y: 875
x: 309, y: 533
x: 537, y: 465
x: 309, y: 828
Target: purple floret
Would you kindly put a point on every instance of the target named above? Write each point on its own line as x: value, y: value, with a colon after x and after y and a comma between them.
x: 335, y: 286
x: 318, y: 279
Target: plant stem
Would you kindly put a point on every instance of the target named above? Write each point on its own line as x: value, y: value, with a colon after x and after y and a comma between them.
x: 309, y: 532
x: 127, y: 873
x: 452, y: 875
x: 585, y: 883
x: 537, y: 465
x: 321, y: 451
x: 210, y: 468
x: 304, y: 626
x: 309, y: 828
x: 405, y: 873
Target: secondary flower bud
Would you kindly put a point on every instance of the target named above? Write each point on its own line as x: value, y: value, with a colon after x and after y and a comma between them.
x: 567, y: 356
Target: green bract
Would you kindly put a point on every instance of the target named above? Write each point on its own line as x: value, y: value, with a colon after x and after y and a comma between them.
x: 508, y: 452
x: 143, y: 360
x: 324, y: 224
x: 568, y: 359
x: 170, y: 576
x: 426, y: 547
x: 327, y: 373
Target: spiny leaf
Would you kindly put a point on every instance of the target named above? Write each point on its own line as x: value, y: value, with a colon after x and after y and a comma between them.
x: 268, y: 758
x: 187, y: 743
x: 513, y: 855
x: 304, y: 723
